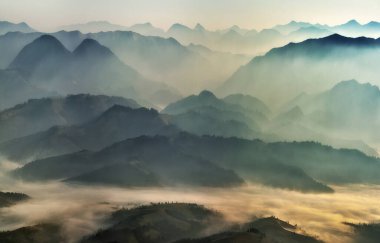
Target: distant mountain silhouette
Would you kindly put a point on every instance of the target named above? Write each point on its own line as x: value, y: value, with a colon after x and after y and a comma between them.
x: 6, y: 26
x: 291, y: 27
x: 305, y: 67
x: 248, y: 102
x: 355, y: 29
x: 349, y: 107
x: 93, y: 27
x: 311, y: 32
x: 146, y: 29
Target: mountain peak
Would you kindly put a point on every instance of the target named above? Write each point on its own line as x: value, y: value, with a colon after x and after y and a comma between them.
x: 354, y: 85
x: 348, y: 82
x: 147, y: 24
x: 117, y: 111
x: 118, y: 108
x: 352, y: 22
x: 199, y: 27
x: 373, y: 24
x: 92, y: 47
x: 206, y: 94
x: 47, y: 40
x: 178, y: 26
x: 99, y: 22
x: 232, y: 33
x: 42, y: 47
x: 293, y: 23
x: 335, y: 37
x: 6, y: 26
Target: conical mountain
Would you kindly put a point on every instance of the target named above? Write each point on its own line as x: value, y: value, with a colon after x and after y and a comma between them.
x: 90, y: 48
x: 44, y: 52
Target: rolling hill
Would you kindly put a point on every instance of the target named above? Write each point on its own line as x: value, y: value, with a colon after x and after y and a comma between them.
x: 41, y: 114
x: 115, y: 124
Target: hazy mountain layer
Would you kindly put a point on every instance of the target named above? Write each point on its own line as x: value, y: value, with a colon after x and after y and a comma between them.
x: 306, y: 67
x: 90, y: 68
x: 206, y: 114
x: 6, y: 27
x: 41, y: 114
x: 115, y: 124
x: 157, y: 58
x: 15, y: 89
x: 155, y: 156
x: 245, y: 116
x: 350, y: 111
x: 284, y: 165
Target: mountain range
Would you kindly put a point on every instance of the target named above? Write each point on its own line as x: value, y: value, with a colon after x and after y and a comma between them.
x: 41, y: 114
x: 157, y: 58
x: 139, y: 109
x: 113, y: 125
x: 6, y: 26
x: 91, y: 68
x: 205, y: 114
x: 305, y: 67
x: 175, y: 159
x: 349, y: 110
x: 238, y: 40
x: 245, y: 116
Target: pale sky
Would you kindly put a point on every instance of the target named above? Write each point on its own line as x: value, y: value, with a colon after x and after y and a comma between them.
x: 46, y: 15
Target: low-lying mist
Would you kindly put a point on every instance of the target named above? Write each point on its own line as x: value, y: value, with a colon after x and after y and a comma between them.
x: 82, y: 210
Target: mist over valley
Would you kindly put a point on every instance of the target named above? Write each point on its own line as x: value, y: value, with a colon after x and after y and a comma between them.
x: 129, y: 132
